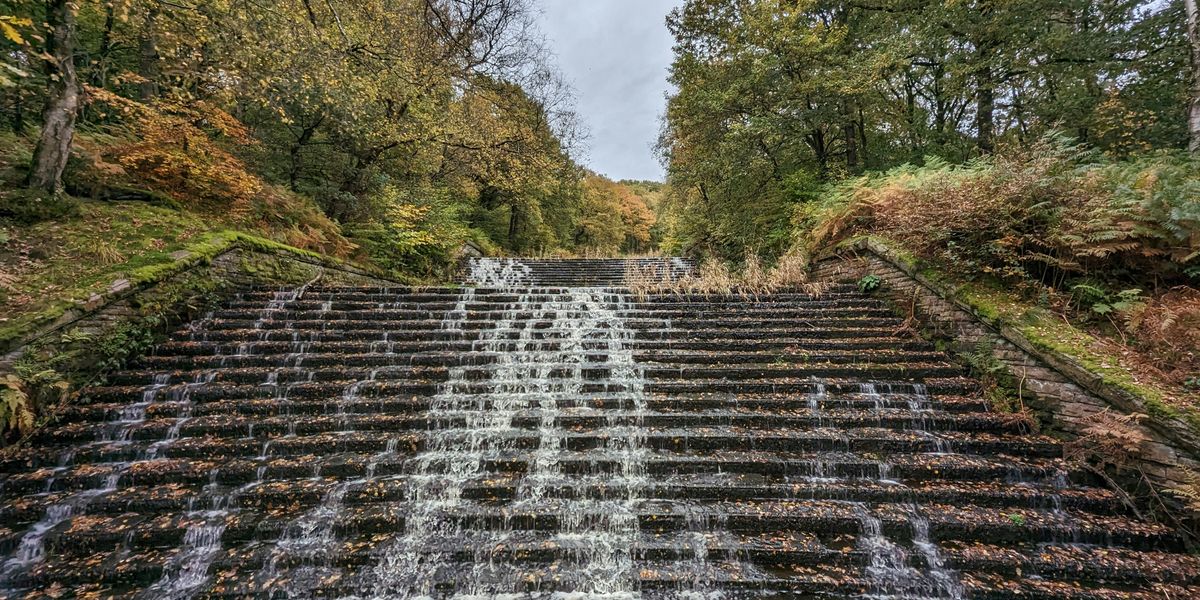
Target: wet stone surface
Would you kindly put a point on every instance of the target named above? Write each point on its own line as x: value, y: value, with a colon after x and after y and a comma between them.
x: 540, y: 433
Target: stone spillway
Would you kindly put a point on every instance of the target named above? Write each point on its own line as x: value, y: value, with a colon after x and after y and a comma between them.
x: 520, y: 437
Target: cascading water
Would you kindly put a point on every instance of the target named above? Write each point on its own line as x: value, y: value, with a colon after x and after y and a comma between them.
x: 184, y: 576
x: 30, y: 550
x: 502, y: 443
x: 541, y: 351
x: 498, y: 273
x: 311, y: 539
x: 890, y: 571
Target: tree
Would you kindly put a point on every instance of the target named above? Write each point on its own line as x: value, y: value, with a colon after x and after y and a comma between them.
x: 62, y: 99
x: 1193, y: 29
x: 774, y: 98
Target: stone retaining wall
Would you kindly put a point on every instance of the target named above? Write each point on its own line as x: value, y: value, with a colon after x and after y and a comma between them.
x: 125, y: 319
x: 1058, y: 388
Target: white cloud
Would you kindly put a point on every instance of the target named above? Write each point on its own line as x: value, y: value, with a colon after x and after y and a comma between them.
x: 616, y: 54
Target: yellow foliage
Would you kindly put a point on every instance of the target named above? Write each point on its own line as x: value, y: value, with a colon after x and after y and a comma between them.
x: 16, y: 411
x: 600, y: 229
x: 167, y: 147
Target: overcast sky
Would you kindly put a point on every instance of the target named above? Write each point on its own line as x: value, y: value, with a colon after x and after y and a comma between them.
x: 616, y: 54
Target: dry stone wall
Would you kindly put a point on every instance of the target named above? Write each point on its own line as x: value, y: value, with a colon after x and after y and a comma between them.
x: 1065, y: 392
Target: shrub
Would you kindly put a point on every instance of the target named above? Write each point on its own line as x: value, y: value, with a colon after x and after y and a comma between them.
x: 1045, y: 214
x: 1169, y: 326
x: 412, y: 231
x: 177, y: 154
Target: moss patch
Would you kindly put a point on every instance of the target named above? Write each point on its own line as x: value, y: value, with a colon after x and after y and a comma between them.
x: 53, y: 267
x: 1049, y: 332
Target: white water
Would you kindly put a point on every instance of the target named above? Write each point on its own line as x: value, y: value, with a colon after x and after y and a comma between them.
x: 31, y: 549
x: 498, y: 273
x: 890, y: 569
x: 187, y: 572
x: 542, y: 345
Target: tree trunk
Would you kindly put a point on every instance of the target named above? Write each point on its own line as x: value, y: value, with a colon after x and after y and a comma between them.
x: 862, y: 138
x: 148, y: 58
x: 985, y: 110
x: 849, y: 138
x: 1193, y: 17
x: 18, y: 111
x: 100, y: 73
x: 302, y: 140
x: 514, y: 224
x: 941, y: 106
x: 62, y: 100
x: 816, y: 141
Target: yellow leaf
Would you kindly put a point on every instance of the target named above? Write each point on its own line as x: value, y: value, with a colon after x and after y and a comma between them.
x: 9, y: 26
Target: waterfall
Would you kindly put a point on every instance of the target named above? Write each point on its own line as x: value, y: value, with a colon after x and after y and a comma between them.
x: 889, y: 570
x: 311, y: 538
x: 544, y: 437
x: 186, y: 574
x: 542, y: 346
x: 498, y: 273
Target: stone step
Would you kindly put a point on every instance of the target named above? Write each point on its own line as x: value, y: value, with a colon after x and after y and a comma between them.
x: 530, y: 419
x: 480, y: 304
x: 403, y: 347
x: 875, y: 440
x: 940, y: 379
x: 80, y: 475
x: 486, y: 330
x: 118, y: 574
x: 607, y: 371
x: 1075, y: 561
x: 254, y: 517
x: 273, y: 407
x: 265, y: 300
x: 943, y: 385
x: 702, y: 549
x: 180, y: 362
x: 500, y: 499
x: 374, y: 332
x: 472, y: 313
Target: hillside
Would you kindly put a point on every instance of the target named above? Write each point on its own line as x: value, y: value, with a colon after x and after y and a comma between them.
x: 320, y: 128
x: 1046, y: 173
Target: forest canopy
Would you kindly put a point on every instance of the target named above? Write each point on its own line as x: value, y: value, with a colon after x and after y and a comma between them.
x: 388, y: 130
x: 777, y: 99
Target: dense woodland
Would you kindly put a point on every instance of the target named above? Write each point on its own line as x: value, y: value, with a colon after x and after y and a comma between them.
x: 391, y: 130
x: 777, y: 99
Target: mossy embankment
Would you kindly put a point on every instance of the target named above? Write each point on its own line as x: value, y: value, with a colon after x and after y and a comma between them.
x: 55, y: 266
x: 1090, y: 257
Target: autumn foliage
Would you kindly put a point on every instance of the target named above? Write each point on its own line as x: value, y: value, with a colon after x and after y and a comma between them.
x: 1112, y: 244
x: 613, y: 218
x: 180, y: 150
x: 1046, y: 214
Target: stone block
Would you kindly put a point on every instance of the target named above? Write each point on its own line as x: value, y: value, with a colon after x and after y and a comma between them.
x: 119, y: 285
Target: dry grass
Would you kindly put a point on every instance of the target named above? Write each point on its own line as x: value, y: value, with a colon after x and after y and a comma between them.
x: 1168, y: 328
x: 715, y: 278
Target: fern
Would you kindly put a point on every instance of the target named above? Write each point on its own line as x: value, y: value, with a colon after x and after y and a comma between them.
x: 16, y: 409
x: 1189, y: 492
